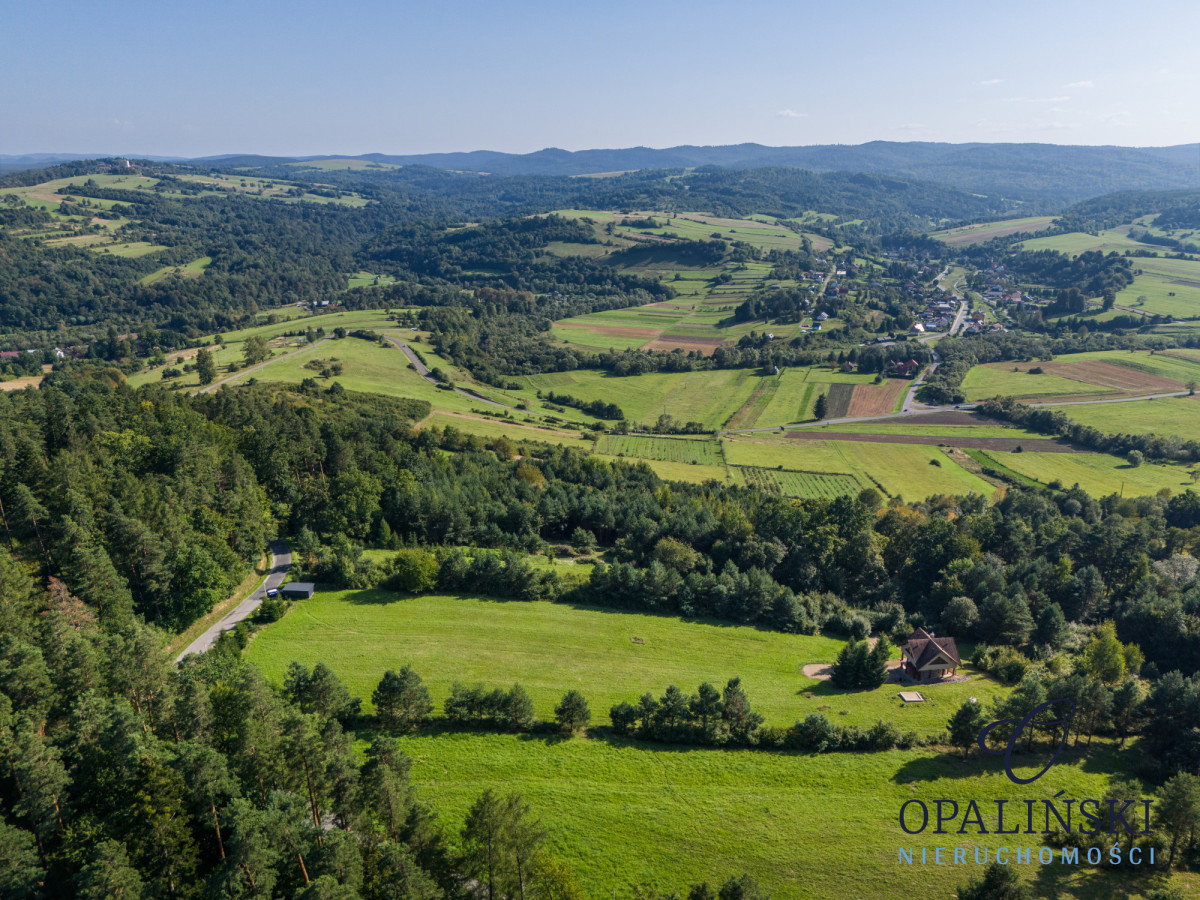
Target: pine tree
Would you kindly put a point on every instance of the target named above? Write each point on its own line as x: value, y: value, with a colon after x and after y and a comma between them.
x: 401, y: 700
x: 821, y: 407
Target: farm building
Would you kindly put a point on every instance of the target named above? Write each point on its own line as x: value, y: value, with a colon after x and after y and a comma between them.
x: 297, y: 590
x: 928, y: 658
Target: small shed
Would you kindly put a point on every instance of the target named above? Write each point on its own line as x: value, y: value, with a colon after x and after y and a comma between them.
x: 297, y: 590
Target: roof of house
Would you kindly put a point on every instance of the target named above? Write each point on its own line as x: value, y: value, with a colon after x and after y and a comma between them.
x: 299, y: 586
x: 922, y: 647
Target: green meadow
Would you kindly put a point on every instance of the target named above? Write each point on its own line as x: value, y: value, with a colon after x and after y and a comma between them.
x: 709, y: 397
x: 1097, y: 473
x: 550, y: 648
x: 622, y: 812
x: 821, y: 827
x: 1162, y: 416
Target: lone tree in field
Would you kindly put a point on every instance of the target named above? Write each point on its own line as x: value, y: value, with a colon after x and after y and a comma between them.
x: 965, y: 725
x: 255, y: 350
x: 572, y: 712
x: 821, y: 407
x: 206, y: 366
x: 401, y: 700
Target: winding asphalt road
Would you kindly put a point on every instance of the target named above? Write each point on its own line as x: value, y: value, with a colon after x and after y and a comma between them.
x: 281, y: 561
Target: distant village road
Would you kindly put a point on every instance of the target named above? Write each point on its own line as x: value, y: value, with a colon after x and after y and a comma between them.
x: 281, y: 561
x: 228, y: 378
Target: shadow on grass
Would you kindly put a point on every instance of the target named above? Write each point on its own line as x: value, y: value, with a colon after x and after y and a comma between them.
x: 1101, y: 759
x: 1059, y: 881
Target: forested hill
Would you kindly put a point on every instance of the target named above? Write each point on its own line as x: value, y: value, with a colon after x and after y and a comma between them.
x: 1047, y: 173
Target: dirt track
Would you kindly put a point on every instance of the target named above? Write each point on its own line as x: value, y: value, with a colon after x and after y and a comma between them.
x: 1037, y: 444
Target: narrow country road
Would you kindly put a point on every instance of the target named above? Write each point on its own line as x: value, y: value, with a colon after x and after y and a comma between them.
x: 281, y: 561
x: 228, y: 378
x: 424, y: 373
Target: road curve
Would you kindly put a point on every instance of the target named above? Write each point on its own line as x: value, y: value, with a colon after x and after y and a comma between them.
x: 281, y: 561
x: 423, y: 371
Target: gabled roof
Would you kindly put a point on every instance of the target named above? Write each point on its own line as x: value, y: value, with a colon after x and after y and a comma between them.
x: 922, y: 648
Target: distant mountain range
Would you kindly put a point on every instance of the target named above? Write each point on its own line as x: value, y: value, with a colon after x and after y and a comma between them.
x: 1046, y: 174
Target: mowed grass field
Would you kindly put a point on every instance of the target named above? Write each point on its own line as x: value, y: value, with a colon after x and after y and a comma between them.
x: 1162, y: 416
x: 820, y: 827
x: 1098, y: 473
x: 622, y: 812
x: 550, y: 648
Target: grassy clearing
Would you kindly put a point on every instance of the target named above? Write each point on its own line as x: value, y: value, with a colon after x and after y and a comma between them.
x: 130, y: 249
x: 368, y: 279
x: 905, y: 470
x: 820, y: 827
x: 669, y: 449
x: 1097, y: 473
x: 550, y: 648
x: 194, y: 269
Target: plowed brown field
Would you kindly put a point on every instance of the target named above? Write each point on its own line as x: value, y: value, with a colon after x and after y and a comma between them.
x: 876, y: 399
x: 1119, y: 378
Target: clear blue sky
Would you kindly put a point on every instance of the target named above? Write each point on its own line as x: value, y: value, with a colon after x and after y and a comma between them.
x: 262, y: 76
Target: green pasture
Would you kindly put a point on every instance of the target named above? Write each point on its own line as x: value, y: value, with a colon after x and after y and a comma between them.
x: 550, y: 648
x: 709, y: 397
x: 1162, y: 416
x: 905, y: 470
x: 999, y: 380
x: 1097, y: 473
x: 368, y: 279
x: 821, y: 827
x: 1075, y: 242
x: 193, y: 269
x: 1166, y: 295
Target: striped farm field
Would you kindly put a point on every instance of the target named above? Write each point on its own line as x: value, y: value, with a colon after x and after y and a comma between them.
x: 796, y: 484
x: 876, y: 399
x: 838, y: 400
x: 668, y: 449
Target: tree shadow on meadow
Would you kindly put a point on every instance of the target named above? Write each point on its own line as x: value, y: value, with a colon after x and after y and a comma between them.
x: 1057, y: 881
